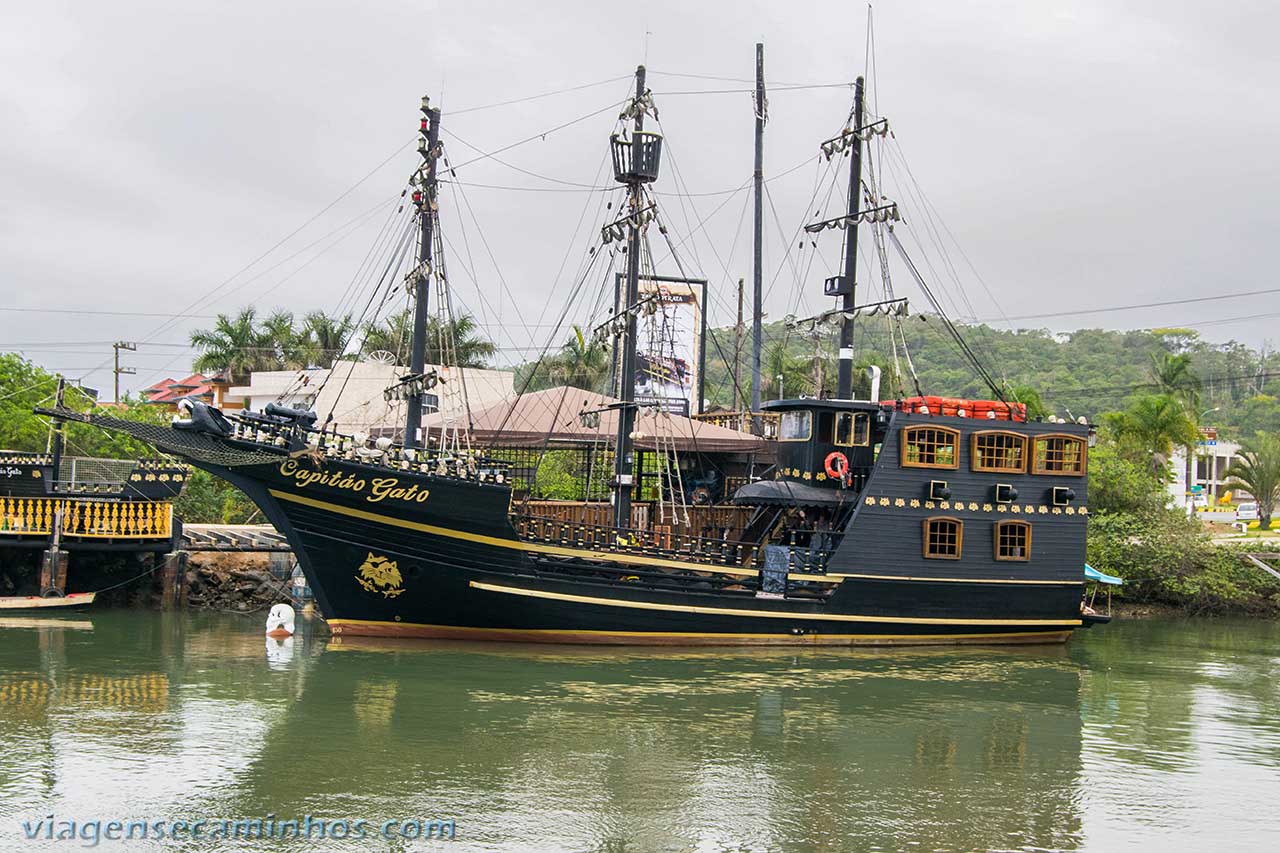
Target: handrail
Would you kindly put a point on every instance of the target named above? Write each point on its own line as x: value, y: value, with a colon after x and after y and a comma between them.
x: 91, y: 519
x: 660, y: 543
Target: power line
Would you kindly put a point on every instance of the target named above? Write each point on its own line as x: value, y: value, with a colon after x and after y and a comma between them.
x: 1161, y: 304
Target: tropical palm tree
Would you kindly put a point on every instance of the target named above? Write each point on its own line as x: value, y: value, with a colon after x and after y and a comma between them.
x: 470, y: 349
x: 1257, y: 468
x: 324, y: 337
x: 395, y: 335
x: 1154, y: 424
x: 582, y: 363
x: 1174, y: 377
x: 281, y: 342
x: 231, y: 346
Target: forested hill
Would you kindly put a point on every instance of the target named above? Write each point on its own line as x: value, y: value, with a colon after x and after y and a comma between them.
x: 1087, y: 372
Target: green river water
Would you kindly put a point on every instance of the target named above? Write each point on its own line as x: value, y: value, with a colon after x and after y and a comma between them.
x: 1146, y: 734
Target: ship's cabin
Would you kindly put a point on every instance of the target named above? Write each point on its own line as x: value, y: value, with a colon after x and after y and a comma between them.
x: 825, y: 451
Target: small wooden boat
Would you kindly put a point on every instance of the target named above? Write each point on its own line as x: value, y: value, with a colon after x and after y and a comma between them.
x: 36, y: 602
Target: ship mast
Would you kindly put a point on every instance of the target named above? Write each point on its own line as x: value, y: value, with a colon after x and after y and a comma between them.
x: 844, y: 389
x: 635, y: 163
x: 424, y: 199
x: 757, y: 272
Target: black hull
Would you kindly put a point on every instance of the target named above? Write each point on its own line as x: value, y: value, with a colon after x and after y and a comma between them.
x: 460, y: 578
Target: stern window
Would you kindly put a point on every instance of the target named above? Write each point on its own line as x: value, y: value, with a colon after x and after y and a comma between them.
x: 795, y: 426
x: 930, y: 447
x: 1013, y: 540
x: 1058, y: 454
x: 998, y: 451
x: 943, y: 538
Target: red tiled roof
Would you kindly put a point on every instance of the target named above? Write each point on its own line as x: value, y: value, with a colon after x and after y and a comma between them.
x: 170, y: 390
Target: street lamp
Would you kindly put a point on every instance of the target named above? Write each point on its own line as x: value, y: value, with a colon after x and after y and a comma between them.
x: 781, y: 396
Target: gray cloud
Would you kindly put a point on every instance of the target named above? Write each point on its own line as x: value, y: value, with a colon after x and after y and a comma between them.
x: 1084, y: 155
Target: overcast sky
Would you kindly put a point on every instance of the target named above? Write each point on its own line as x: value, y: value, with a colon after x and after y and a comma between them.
x: 1084, y: 155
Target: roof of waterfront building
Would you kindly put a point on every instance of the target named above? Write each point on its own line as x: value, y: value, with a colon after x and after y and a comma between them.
x: 552, y: 416
x: 354, y: 393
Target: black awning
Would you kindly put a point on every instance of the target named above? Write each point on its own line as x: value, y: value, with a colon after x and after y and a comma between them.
x: 787, y: 493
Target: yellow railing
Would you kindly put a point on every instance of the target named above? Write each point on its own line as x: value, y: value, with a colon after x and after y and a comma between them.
x: 100, y: 519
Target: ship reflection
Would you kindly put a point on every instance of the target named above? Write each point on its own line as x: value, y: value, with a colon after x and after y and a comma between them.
x: 690, y: 749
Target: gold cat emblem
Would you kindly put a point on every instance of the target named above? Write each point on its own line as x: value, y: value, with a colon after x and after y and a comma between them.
x: 378, y: 574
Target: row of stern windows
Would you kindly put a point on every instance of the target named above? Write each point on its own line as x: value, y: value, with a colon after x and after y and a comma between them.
x: 994, y: 451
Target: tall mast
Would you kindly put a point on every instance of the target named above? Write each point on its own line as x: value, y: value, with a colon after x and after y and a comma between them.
x: 635, y: 163
x: 844, y: 390
x: 424, y: 198
x: 757, y: 272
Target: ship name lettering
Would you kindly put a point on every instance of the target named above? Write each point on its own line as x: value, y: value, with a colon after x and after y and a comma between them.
x: 380, y: 488
x: 389, y: 487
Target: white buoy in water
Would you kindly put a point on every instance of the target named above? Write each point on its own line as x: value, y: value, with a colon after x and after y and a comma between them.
x: 280, y: 621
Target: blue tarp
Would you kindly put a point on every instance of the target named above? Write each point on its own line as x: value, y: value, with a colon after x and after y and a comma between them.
x: 1093, y: 574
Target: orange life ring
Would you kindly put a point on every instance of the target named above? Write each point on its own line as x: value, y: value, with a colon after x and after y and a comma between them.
x: 832, y: 472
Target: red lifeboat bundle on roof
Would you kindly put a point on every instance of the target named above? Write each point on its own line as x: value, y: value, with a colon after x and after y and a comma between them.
x: 954, y: 407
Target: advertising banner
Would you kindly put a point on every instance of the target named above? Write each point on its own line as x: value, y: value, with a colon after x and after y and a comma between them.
x: 669, y: 343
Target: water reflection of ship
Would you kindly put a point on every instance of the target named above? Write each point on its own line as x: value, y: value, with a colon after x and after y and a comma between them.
x: 774, y: 749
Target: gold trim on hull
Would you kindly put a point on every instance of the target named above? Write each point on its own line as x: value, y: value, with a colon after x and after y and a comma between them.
x: 409, y: 630
x: 762, y: 614
x: 626, y: 559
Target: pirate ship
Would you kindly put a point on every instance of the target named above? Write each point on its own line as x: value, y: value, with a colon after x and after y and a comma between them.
x: 915, y: 519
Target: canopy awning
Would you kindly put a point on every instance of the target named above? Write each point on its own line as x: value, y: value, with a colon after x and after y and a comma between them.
x: 1090, y: 573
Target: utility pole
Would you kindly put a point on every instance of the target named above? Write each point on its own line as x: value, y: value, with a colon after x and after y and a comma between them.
x: 737, y: 352
x: 844, y: 389
x: 757, y: 272
x: 424, y: 198
x: 128, y: 371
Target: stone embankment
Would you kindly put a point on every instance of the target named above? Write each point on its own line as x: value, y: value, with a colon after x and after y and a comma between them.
x: 241, y: 582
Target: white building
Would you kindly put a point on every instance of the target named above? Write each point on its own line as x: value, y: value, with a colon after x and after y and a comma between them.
x: 293, y: 388
x: 1212, y: 458
x: 354, y: 393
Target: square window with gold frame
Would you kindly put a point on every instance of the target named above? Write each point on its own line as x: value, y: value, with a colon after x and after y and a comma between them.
x: 943, y: 538
x: 998, y: 452
x: 930, y: 447
x: 1013, y: 540
x: 1063, y: 455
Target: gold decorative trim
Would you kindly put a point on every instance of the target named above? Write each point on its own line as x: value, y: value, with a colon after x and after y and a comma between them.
x: 762, y: 614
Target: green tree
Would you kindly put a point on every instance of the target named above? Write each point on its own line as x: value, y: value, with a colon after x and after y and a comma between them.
x: 795, y: 373
x: 233, y: 345
x: 24, y: 385
x: 582, y: 363
x: 394, y: 334
x: 283, y: 347
x: 323, y: 337
x: 1153, y: 425
x: 1257, y: 469
x: 1030, y: 397
x: 210, y: 500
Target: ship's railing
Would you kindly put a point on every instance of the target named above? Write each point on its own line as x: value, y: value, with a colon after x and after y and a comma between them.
x: 742, y: 421
x: 660, y: 542
x: 21, y: 457
x: 94, y: 519
x: 381, y: 452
